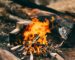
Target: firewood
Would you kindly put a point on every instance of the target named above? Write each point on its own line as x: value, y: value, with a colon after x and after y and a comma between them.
x: 16, y: 19
x: 31, y: 56
x: 14, y: 48
x: 15, y: 31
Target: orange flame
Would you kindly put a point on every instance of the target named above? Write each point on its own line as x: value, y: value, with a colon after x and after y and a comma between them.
x: 36, y: 28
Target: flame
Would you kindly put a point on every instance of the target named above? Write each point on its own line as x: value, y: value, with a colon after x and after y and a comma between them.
x: 35, y: 35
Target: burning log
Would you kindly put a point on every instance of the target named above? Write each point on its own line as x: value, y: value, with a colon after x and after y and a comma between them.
x: 30, y: 45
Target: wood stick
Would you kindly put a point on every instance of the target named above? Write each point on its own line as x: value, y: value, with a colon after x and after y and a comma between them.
x: 16, y: 19
x: 14, y: 48
x: 31, y: 56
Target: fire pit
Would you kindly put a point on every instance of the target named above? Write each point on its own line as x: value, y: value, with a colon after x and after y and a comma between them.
x: 37, y: 39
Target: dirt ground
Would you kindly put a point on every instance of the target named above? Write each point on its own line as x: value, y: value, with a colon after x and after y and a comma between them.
x: 70, y: 53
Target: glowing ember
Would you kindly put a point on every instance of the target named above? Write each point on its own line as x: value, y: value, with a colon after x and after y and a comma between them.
x: 35, y: 36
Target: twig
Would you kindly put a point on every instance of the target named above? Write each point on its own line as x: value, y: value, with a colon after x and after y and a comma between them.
x: 14, y: 48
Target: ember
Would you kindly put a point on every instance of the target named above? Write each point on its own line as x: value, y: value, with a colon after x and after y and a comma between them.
x: 35, y: 36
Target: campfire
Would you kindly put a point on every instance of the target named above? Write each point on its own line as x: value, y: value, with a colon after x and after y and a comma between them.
x: 34, y: 31
x: 35, y: 40
x: 35, y: 36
